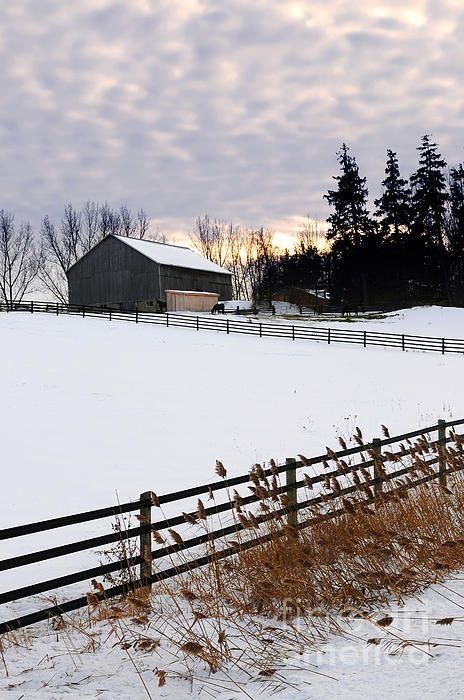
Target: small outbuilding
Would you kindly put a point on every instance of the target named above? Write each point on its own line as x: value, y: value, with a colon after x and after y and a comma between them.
x: 129, y: 273
x: 190, y: 301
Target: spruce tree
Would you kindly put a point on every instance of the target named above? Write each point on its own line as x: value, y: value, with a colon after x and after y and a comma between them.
x: 429, y: 193
x: 456, y: 209
x: 353, y: 246
x: 393, y: 208
x: 455, y: 232
x: 429, y: 200
x: 349, y: 222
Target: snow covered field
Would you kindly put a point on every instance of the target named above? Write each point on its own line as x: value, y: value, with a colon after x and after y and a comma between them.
x: 93, y: 411
x: 90, y: 408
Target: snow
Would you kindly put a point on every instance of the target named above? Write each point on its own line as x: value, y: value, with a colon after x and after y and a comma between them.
x: 284, y: 307
x: 435, y: 321
x: 346, y: 667
x: 428, y: 668
x: 175, y: 255
x: 242, y: 304
x: 201, y: 294
x: 321, y: 293
x: 93, y: 411
x: 94, y: 406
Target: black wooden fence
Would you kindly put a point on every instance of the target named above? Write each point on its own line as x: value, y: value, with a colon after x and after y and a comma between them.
x: 251, y: 327
x: 427, y: 460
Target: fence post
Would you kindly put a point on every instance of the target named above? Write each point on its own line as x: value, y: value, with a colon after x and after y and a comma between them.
x: 442, y: 346
x: 227, y: 326
x: 167, y: 319
x: 293, y: 332
x: 260, y: 330
x: 136, y: 315
x: 403, y: 346
x: 292, y: 493
x: 328, y: 336
x: 365, y: 338
x: 376, y: 446
x: 441, y: 452
x: 145, y: 540
x: 32, y: 307
x: 198, y: 324
x: 83, y: 311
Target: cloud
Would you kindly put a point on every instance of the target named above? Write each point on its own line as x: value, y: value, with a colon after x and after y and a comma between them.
x: 235, y: 109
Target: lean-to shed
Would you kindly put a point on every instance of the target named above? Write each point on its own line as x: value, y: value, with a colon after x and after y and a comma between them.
x: 130, y: 273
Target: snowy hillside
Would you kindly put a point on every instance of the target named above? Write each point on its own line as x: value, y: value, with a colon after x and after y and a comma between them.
x: 93, y: 411
x: 91, y: 407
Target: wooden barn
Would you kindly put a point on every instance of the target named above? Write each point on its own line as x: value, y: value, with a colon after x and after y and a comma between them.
x: 129, y: 273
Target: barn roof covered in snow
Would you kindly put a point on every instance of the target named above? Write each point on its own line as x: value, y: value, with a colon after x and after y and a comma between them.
x: 168, y: 254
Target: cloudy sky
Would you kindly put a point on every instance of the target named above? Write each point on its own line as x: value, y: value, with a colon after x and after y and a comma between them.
x: 229, y: 107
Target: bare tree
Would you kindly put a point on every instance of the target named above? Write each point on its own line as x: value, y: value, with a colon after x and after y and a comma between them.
x: 311, y: 235
x: 109, y: 221
x: 157, y: 236
x: 90, y: 232
x: 143, y: 224
x: 247, y: 253
x: 129, y: 224
x: 211, y: 238
x: 260, y: 254
x: 57, y: 252
x: 71, y: 232
x: 18, y: 264
x: 60, y: 249
x: 236, y: 262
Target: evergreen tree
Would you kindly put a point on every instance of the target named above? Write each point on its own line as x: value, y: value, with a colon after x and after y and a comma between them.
x: 393, y: 208
x: 354, y: 245
x: 455, y: 232
x: 349, y: 222
x: 429, y: 200
x: 456, y: 209
x: 429, y: 193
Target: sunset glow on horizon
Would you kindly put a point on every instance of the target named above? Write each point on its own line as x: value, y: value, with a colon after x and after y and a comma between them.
x: 238, y: 109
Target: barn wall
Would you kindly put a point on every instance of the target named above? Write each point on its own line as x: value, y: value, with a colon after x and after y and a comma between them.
x: 113, y: 273
x: 195, y: 281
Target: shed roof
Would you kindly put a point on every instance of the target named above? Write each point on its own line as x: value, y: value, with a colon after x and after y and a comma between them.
x: 182, y: 292
x: 175, y: 255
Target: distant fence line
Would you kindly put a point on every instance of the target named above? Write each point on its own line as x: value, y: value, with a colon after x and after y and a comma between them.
x: 367, y: 476
x: 404, y: 341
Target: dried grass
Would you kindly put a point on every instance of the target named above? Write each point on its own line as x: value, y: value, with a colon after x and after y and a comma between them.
x: 362, y: 544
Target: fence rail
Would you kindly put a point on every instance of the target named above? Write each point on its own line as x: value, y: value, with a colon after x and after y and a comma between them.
x: 401, y: 341
x: 426, y: 460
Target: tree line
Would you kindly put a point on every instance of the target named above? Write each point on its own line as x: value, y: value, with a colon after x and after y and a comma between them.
x: 408, y: 249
